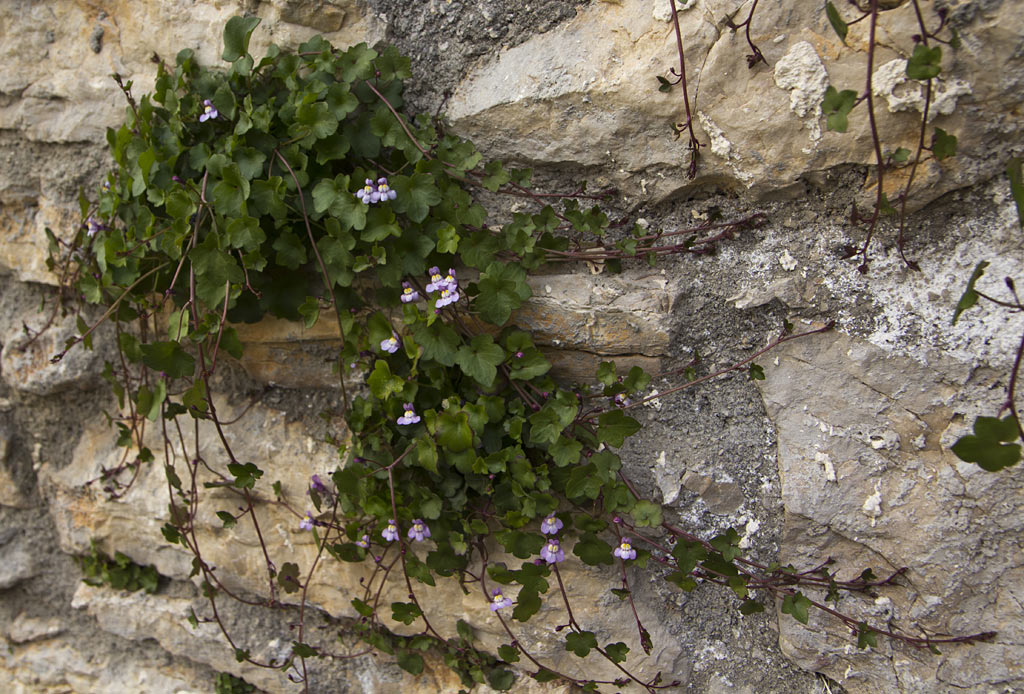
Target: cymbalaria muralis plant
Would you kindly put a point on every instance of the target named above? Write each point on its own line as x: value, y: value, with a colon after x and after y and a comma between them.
x: 297, y: 186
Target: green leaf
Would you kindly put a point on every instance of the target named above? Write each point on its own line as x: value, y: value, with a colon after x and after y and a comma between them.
x: 565, y: 451
x: 501, y: 679
x: 615, y: 426
x: 728, y: 544
x: 617, y: 652
x: 288, y: 577
x: 405, y: 612
x: 547, y: 424
x: 237, y: 32
x: 986, y: 447
x: 453, y: 432
x: 836, y: 21
x: 756, y: 372
x: 901, y: 155
x: 333, y: 196
x: 646, y: 514
x: 797, y: 606
x: 751, y: 607
x: 836, y: 106
x: 970, y: 297
x: 1015, y: 172
x: 169, y: 358
x: 581, y: 642
x: 866, y: 636
x: 544, y: 675
x: 317, y: 118
x: 410, y: 662
x: 228, y: 519
x: 508, y: 653
x: 502, y: 288
x: 439, y: 342
x: 925, y: 62
x: 480, y: 359
x: 593, y: 551
x: 496, y: 176
x: 415, y: 195
x: 245, y: 475
x: 447, y: 239
x: 943, y: 144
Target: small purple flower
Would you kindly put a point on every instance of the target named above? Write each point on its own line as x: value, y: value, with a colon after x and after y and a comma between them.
x: 419, y: 531
x: 209, y: 111
x: 448, y: 296
x: 384, y: 192
x: 519, y: 354
x: 317, y: 485
x: 552, y: 552
x: 307, y: 523
x: 93, y: 225
x: 550, y: 525
x: 436, y: 281
x: 498, y: 600
x: 408, y: 293
x: 363, y: 542
x: 390, y: 345
x: 625, y: 550
x: 390, y: 533
x: 367, y: 195
x: 410, y: 416
x: 622, y: 401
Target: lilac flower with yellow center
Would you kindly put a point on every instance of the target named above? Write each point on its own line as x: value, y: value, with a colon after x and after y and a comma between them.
x: 209, y: 111
x: 552, y: 552
x: 448, y: 296
x: 498, y: 600
x: 390, y: 345
x: 622, y: 401
x: 307, y: 522
x: 93, y: 225
x: 408, y: 293
x: 419, y: 531
x: 550, y: 525
x: 390, y: 533
x: 625, y: 550
x: 436, y: 280
x: 367, y: 195
x: 410, y: 416
x: 384, y: 192
x: 363, y: 542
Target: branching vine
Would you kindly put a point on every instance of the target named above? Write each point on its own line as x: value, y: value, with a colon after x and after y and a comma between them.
x: 297, y: 185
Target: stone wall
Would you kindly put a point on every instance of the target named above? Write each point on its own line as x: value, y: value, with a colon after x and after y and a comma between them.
x: 841, y: 452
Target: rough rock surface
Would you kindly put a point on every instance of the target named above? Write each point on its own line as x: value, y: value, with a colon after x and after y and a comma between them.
x: 842, y: 451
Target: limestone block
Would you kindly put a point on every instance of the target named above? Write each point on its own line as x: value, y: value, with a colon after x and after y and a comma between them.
x: 856, y: 489
x: 26, y: 362
x: 585, y: 92
x: 24, y: 628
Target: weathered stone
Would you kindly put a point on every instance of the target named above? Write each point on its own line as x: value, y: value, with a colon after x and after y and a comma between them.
x: 67, y: 666
x: 16, y: 565
x: 585, y: 93
x: 26, y: 358
x: 855, y: 492
x: 131, y: 524
x: 24, y: 628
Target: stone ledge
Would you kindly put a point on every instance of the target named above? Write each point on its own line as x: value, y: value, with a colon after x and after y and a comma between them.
x: 577, y: 320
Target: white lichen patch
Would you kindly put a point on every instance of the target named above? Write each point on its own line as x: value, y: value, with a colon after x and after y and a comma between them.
x: 802, y: 73
x: 902, y: 94
x: 787, y: 261
x: 872, y: 507
x: 826, y: 464
x: 720, y: 145
x: 661, y: 10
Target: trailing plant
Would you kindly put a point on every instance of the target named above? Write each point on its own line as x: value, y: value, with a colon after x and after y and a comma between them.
x: 296, y: 186
x: 227, y: 683
x: 120, y: 573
